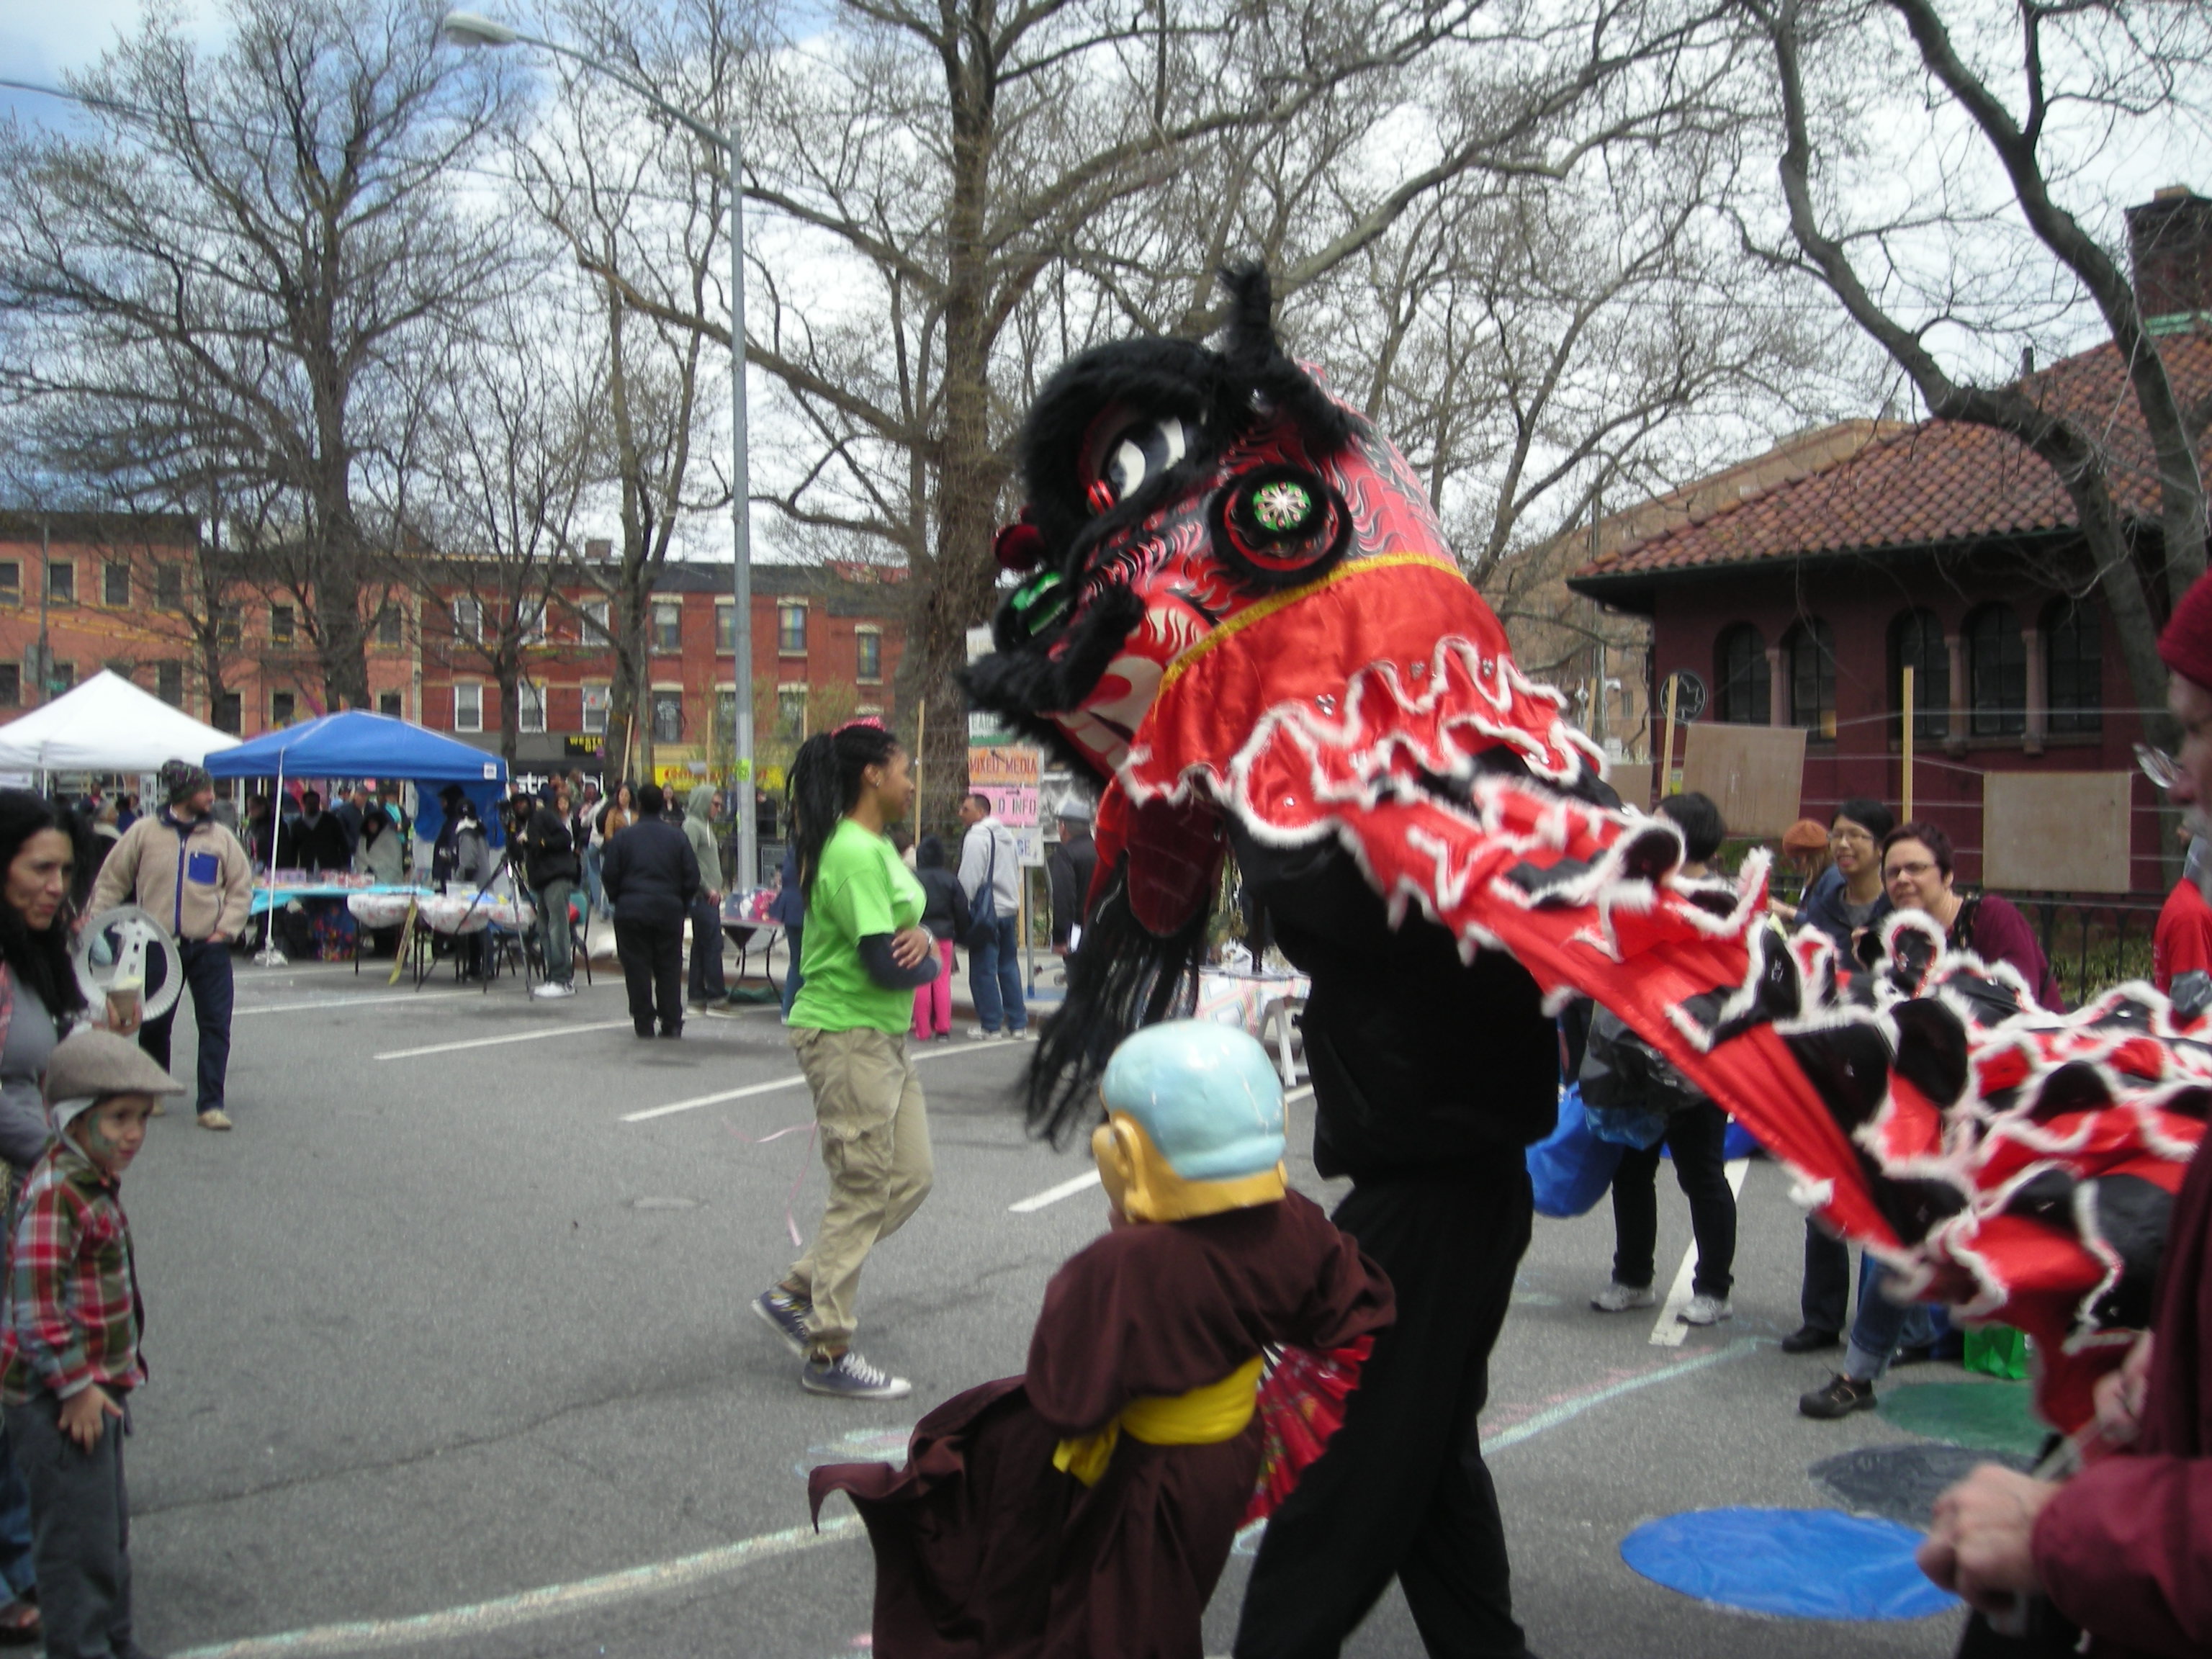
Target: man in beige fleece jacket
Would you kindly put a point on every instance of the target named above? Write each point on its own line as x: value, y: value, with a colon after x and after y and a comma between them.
x: 189, y: 871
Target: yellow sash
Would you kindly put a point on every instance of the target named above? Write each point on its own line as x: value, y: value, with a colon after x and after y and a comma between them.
x: 1207, y: 1414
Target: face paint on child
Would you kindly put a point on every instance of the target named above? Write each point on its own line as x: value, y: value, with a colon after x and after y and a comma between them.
x: 111, y: 1134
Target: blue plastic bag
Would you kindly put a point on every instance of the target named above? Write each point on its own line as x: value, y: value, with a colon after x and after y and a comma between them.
x: 1571, y: 1169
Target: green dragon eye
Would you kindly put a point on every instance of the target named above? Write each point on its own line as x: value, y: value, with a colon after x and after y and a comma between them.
x: 1282, y: 507
x: 1041, y: 602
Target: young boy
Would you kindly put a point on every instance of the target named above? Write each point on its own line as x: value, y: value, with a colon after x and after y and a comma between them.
x: 1086, y: 1508
x: 69, y: 1353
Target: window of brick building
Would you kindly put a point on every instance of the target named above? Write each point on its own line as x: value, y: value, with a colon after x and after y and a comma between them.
x: 11, y: 685
x: 390, y: 625
x: 230, y: 627
x: 282, y: 705
x: 11, y: 581
x: 667, y: 625
x: 725, y: 633
x: 1916, y: 642
x: 282, y: 623
x: 529, y: 707
x: 1996, y: 672
x: 597, y: 701
x: 667, y: 716
x: 169, y: 683
x: 468, y: 709
x: 393, y: 703
x: 61, y: 582
x: 1740, y: 671
x: 169, y: 587
x: 225, y: 713
x: 791, y: 629
x: 598, y: 628
x: 868, y: 647
x: 468, y: 620
x: 2074, y: 666
x: 790, y: 713
x: 115, y: 584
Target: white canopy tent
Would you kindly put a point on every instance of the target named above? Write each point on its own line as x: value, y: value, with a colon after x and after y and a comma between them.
x: 106, y: 724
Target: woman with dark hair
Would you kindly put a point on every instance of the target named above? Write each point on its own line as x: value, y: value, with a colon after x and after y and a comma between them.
x: 1915, y: 868
x: 1848, y: 897
x: 40, y: 1001
x: 865, y: 952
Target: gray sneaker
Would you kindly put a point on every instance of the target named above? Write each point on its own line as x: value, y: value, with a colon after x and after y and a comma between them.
x: 785, y: 1314
x: 1703, y: 1309
x: 851, y: 1377
x: 1618, y: 1297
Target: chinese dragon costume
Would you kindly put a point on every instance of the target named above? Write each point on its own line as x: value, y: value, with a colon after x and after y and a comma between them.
x: 1237, y: 615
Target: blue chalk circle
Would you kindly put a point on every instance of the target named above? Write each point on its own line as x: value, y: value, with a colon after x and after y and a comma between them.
x: 1790, y: 1564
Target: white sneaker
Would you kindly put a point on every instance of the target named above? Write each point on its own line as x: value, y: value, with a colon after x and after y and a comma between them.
x: 1703, y: 1309
x: 551, y: 989
x: 977, y: 1034
x: 1618, y: 1297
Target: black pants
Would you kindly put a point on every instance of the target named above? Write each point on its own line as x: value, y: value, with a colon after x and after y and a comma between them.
x: 707, y: 982
x: 208, y: 977
x: 1402, y: 1490
x: 652, y: 967
x: 80, y: 1532
x: 1825, y: 1300
x: 1697, y: 1136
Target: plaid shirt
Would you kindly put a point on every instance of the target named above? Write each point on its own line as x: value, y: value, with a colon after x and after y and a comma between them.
x: 73, y: 1314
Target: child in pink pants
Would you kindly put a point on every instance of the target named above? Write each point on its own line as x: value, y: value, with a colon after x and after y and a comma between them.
x: 932, y: 1003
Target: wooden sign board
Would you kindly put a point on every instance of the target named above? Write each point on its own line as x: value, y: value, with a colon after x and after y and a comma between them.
x: 1755, y: 774
x: 2056, y: 832
x: 1633, y: 780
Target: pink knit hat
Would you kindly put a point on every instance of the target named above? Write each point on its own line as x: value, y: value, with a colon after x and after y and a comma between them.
x: 2186, y: 644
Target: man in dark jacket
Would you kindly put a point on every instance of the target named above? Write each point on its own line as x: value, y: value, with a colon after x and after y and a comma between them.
x: 314, y: 841
x: 1070, y: 869
x: 651, y: 876
x: 1431, y: 1076
x: 551, y: 867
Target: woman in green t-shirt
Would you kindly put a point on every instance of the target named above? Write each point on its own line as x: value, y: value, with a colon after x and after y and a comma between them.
x: 864, y: 953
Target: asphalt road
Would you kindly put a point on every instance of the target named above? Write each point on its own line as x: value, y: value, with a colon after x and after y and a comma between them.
x: 450, y: 1355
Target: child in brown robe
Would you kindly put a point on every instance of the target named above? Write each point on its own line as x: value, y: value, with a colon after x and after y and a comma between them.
x: 1086, y: 1509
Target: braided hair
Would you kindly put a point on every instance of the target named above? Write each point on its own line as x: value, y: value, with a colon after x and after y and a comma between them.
x: 825, y: 785
x: 41, y: 960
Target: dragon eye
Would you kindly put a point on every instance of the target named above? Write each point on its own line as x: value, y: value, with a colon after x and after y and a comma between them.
x: 1142, y: 453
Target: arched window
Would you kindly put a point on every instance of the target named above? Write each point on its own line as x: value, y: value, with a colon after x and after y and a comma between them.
x: 1916, y: 642
x: 1996, y: 672
x: 1740, y: 669
x: 1812, y: 653
x: 2074, y: 664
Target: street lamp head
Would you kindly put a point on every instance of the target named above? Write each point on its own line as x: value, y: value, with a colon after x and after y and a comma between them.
x: 466, y: 28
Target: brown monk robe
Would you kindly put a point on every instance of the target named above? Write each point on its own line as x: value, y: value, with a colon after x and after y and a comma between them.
x: 984, y: 1548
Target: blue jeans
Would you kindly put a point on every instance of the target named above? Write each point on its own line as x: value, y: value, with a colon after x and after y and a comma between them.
x: 793, y: 979
x: 559, y: 949
x: 592, y: 891
x: 1883, y: 1327
x: 207, y: 975
x: 994, y: 978
x: 16, y: 1572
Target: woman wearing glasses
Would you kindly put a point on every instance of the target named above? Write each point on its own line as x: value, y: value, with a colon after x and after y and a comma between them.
x: 1849, y: 898
x: 1915, y: 869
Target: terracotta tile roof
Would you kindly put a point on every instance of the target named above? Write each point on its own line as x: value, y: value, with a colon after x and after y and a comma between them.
x: 1936, y: 482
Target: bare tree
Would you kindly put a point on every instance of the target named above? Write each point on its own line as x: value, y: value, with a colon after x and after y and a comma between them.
x: 1957, y: 285
x: 251, y: 274
x: 957, y: 196
x: 511, y: 460
x: 627, y: 193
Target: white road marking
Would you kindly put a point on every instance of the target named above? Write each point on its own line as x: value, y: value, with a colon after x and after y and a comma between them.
x: 552, y: 1601
x: 516, y: 1036
x: 1669, y: 1331
x: 357, y: 1002
x: 1053, y: 1195
x: 768, y: 1087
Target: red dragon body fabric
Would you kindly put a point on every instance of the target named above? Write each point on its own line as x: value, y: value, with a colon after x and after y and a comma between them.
x: 1239, y: 616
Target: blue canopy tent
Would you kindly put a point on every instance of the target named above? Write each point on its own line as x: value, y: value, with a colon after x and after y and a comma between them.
x: 355, y: 744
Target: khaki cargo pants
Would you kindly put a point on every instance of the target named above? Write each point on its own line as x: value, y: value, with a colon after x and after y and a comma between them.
x: 875, y: 1144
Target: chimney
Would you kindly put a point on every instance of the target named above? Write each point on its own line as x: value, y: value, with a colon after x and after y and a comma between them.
x: 2170, y: 243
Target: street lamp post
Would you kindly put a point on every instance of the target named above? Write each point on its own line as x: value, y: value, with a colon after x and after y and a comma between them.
x: 467, y: 29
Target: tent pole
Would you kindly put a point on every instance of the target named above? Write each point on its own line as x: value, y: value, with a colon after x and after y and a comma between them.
x: 270, y: 957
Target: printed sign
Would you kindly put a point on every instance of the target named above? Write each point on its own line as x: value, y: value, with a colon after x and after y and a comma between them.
x: 1007, y: 775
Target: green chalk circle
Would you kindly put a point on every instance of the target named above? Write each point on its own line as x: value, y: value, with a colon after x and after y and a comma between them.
x: 1995, y: 1417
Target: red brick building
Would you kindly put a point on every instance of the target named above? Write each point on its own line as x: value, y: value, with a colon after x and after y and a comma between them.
x: 1947, y: 547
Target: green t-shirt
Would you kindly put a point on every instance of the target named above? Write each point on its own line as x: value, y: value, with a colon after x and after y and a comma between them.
x: 863, y: 887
